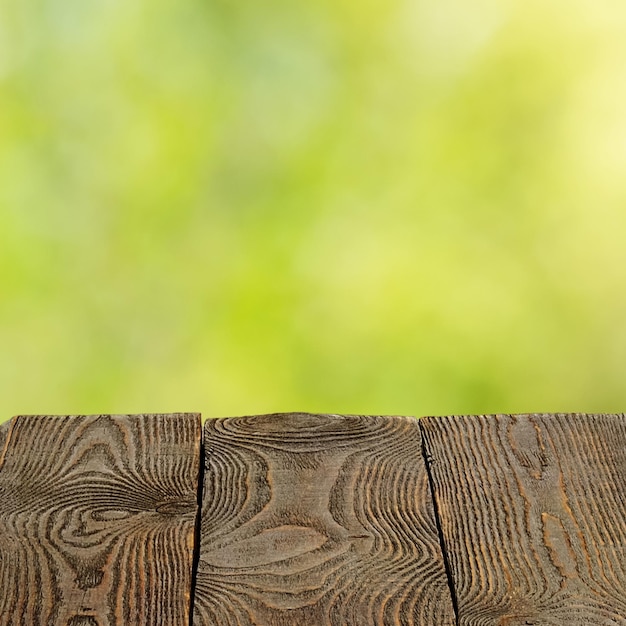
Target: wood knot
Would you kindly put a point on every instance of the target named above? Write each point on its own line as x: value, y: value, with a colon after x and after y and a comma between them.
x: 89, y: 579
x: 82, y: 620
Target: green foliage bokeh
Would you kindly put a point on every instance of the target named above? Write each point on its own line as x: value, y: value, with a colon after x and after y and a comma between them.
x: 389, y: 206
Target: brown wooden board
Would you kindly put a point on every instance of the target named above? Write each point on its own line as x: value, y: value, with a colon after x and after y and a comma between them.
x: 97, y: 519
x: 318, y: 520
x: 533, y: 515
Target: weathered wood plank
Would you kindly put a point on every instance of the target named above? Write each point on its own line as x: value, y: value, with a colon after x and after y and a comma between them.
x: 533, y: 513
x: 318, y: 520
x: 97, y: 517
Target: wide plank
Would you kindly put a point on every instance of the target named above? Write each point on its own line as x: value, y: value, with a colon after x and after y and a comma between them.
x: 533, y: 515
x: 97, y: 519
x: 318, y: 520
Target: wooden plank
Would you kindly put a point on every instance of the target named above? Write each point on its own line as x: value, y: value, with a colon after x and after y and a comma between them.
x: 318, y: 520
x: 97, y: 517
x: 533, y: 514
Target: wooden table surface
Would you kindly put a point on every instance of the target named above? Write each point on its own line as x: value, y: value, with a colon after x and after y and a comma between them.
x: 313, y: 520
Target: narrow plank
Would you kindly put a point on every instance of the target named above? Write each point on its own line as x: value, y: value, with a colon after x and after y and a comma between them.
x: 97, y: 518
x: 318, y: 520
x: 533, y: 514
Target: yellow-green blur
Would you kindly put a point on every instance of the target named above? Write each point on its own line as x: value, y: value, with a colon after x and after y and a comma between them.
x: 385, y: 206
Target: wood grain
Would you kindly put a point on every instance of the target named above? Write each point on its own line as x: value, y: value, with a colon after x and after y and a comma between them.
x: 97, y: 518
x: 533, y: 514
x: 318, y: 520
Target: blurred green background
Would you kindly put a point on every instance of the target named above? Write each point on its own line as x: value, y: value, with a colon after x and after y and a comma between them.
x: 383, y: 206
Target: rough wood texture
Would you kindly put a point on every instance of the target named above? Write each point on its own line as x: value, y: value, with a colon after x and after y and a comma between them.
x: 533, y: 513
x: 314, y: 520
x: 97, y: 520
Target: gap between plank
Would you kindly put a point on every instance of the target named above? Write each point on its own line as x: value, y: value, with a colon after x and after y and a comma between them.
x: 442, y: 542
x: 197, y: 530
